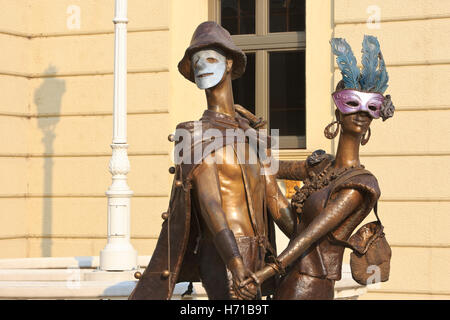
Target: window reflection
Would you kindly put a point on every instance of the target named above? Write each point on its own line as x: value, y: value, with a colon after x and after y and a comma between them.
x: 244, y: 87
x: 287, y: 15
x: 287, y: 92
x: 238, y: 16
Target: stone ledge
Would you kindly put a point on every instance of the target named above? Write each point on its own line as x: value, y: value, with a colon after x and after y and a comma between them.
x: 72, y: 278
x: 82, y: 290
x: 59, y: 263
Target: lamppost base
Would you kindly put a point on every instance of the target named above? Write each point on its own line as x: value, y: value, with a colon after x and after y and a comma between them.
x: 116, y: 257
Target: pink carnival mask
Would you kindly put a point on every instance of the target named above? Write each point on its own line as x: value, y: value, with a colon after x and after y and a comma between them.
x: 351, y: 101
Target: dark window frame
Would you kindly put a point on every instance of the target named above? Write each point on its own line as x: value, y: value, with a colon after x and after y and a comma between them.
x: 262, y: 43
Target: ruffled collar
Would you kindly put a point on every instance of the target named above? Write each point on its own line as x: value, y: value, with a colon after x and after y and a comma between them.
x: 219, y: 117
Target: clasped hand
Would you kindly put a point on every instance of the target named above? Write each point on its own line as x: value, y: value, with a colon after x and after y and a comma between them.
x: 249, y: 287
x: 246, y: 289
x: 244, y: 285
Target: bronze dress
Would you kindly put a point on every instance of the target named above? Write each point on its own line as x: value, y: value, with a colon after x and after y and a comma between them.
x: 312, y: 276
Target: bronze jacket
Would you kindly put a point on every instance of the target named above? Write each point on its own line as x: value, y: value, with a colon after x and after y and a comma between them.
x: 174, y: 259
x: 324, y: 258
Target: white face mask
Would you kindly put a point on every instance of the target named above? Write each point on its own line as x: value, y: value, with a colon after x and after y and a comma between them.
x: 209, y: 67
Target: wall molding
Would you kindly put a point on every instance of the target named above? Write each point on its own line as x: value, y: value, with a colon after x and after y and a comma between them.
x: 77, y: 195
x: 406, y: 154
x: 409, y: 292
x: 70, y: 236
x: 422, y: 108
x: 81, y: 155
x: 411, y: 63
x: 414, y: 199
x: 80, y: 74
x: 420, y: 245
x: 82, y: 114
x: 38, y: 35
x: 338, y: 22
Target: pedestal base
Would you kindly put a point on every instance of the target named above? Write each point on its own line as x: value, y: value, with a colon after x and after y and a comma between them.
x: 118, y: 258
x: 99, y: 275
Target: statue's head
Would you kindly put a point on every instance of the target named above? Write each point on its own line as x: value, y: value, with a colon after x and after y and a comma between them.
x: 210, y: 67
x: 361, y: 91
x: 359, y: 95
x: 211, y: 56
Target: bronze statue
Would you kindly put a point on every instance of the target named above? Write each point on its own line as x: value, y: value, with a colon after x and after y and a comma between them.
x: 338, y: 193
x: 219, y: 225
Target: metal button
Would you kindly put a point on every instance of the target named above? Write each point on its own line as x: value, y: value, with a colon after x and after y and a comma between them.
x: 172, y: 170
x: 137, y: 275
x: 165, y: 274
x: 171, y: 137
x: 165, y: 215
x: 178, y: 183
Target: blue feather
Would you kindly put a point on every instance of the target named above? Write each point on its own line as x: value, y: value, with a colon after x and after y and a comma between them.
x: 382, y: 76
x: 346, y: 62
x: 370, y: 50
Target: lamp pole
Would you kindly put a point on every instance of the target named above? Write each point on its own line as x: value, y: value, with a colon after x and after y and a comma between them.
x: 119, y: 254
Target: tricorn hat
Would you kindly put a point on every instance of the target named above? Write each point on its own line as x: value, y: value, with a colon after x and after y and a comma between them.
x: 210, y: 35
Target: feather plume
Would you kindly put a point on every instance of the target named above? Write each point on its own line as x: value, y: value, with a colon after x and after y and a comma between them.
x: 382, y: 76
x: 370, y: 50
x: 346, y: 62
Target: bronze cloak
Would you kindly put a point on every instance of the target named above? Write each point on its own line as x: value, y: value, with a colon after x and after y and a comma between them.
x: 174, y: 259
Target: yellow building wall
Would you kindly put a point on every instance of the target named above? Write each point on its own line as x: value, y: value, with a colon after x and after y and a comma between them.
x: 15, y: 61
x: 56, y: 123
x: 410, y: 153
x: 56, y: 119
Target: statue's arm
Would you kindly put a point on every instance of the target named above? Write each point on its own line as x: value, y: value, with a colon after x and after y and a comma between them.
x: 292, y: 170
x: 279, y: 207
x: 299, y: 170
x: 336, y: 211
x: 207, y: 188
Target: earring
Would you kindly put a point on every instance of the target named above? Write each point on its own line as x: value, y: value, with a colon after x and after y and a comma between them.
x: 328, y: 133
x: 364, y: 139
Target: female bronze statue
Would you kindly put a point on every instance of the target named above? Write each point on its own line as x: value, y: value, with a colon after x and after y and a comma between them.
x: 338, y: 193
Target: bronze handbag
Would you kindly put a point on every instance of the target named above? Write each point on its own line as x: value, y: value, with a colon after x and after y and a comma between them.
x: 371, y: 257
x: 370, y: 260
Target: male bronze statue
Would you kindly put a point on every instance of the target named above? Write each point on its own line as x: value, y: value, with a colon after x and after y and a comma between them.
x: 219, y: 226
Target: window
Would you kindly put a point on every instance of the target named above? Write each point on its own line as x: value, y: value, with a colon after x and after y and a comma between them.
x: 238, y: 16
x: 272, y: 34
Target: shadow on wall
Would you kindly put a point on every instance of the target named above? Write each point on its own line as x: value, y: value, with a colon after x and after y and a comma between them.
x: 48, y: 101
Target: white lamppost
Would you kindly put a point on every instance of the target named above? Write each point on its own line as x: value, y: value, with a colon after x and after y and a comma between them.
x: 119, y: 254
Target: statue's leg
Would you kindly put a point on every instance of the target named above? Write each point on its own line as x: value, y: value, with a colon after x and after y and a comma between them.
x: 252, y: 254
x: 213, y: 272
x: 297, y: 286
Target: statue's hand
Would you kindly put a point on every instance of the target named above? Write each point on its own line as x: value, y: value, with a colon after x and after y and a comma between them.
x: 239, y: 274
x: 249, y: 287
x: 257, y: 278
